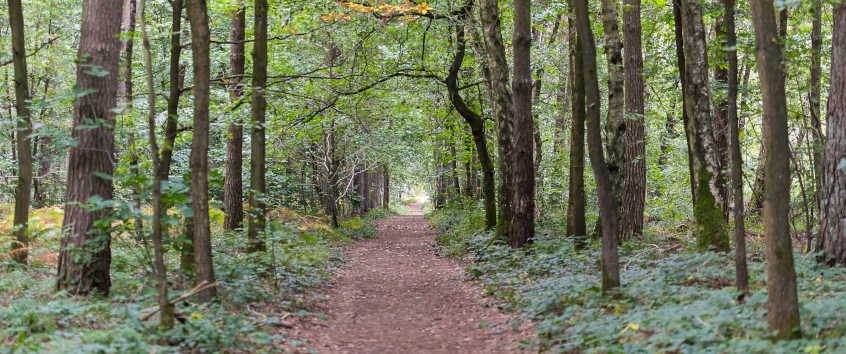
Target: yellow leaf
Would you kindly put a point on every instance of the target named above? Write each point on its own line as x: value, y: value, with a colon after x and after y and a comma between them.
x: 196, y: 316
x: 632, y: 326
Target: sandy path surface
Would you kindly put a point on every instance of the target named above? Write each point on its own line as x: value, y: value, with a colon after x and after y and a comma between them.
x: 397, y: 296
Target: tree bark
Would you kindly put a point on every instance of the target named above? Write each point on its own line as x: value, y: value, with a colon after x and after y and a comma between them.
x: 610, y: 264
x: 634, y: 197
x: 721, y: 119
x: 576, y: 226
x: 816, y: 118
x: 741, y: 276
x: 386, y: 195
x: 257, y: 135
x: 477, y: 126
x: 679, y: 34
x: 783, y: 304
x: 501, y: 106
x: 85, y: 255
x: 200, y: 40
x: 23, y: 190
x: 166, y: 319
x: 832, y: 237
x: 522, y: 228
x: 707, y: 177
x: 615, y: 124
x: 232, y: 189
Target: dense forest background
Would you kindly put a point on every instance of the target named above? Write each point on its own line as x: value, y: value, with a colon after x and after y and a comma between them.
x: 216, y: 148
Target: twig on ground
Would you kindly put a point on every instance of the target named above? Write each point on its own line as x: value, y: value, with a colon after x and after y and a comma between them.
x: 131, y: 299
x: 200, y: 287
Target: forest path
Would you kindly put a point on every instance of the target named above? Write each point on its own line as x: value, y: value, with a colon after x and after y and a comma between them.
x: 399, y: 297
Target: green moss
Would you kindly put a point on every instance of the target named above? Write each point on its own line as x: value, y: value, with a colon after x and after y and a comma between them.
x: 710, y: 223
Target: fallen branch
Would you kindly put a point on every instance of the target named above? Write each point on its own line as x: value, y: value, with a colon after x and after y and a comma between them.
x: 200, y: 287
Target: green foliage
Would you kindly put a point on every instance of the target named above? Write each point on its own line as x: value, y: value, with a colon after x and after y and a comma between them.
x: 672, y: 299
x: 357, y: 228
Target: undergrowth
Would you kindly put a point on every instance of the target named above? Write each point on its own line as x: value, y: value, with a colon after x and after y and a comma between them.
x: 256, y: 291
x: 673, y: 299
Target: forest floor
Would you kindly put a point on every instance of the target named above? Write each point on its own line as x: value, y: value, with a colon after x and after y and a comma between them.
x: 397, y: 296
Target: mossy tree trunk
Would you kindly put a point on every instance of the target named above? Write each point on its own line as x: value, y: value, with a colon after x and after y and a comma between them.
x: 711, y: 230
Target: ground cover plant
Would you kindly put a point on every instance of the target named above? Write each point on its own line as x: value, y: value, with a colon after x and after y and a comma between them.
x: 673, y: 298
x: 258, y: 291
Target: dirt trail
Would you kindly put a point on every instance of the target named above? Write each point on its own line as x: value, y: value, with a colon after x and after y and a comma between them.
x: 399, y: 297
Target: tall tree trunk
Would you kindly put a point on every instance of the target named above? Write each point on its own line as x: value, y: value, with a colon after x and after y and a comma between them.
x: 177, y: 77
x: 501, y: 106
x: 232, y: 189
x: 127, y: 89
x: 566, y: 86
x: 721, y: 119
x: 477, y: 127
x: 453, y: 164
x: 23, y: 190
x: 522, y: 228
x: 257, y: 135
x: 615, y: 123
x: 610, y: 264
x: 759, y: 187
x: 707, y: 177
x: 166, y: 319
x: 129, y: 93
x: 679, y: 35
x: 85, y: 255
x: 634, y: 197
x: 832, y: 237
x: 783, y: 304
x: 200, y: 40
x: 386, y: 195
x: 332, y: 188
x: 576, y: 199
x: 816, y: 119
x: 741, y: 277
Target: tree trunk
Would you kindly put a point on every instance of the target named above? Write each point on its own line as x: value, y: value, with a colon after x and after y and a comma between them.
x: 477, y: 125
x: 200, y: 40
x: 23, y: 190
x: 129, y: 93
x: 816, y: 74
x: 386, y: 195
x: 257, y: 138
x: 832, y: 237
x: 501, y: 106
x: 679, y: 34
x: 166, y: 319
x: 176, y: 78
x: 563, y: 95
x: 522, y: 228
x: 634, y: 197
x: 615, y: 124
x: 127, y: 90
x: 453, y: 164
x: 576, y: 199
x: 783, y: 305
x: 707, y: 177
x: 741, y: 277
x: 610, y: 264
x: 85, y: 255
x: 721, y: 119
x: 232, y: 189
